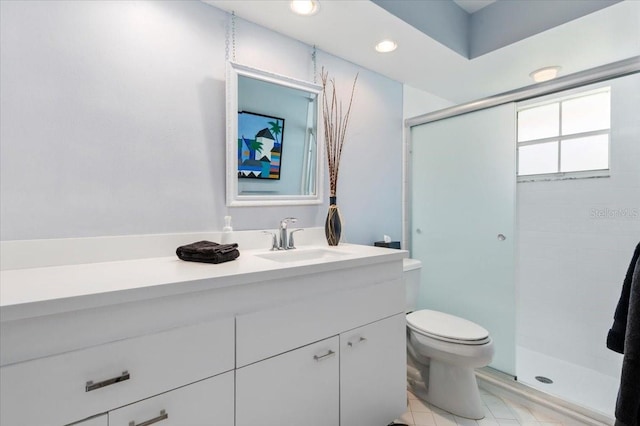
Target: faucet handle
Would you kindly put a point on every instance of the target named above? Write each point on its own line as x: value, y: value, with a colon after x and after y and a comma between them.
x: 274, y: 239
x: 291, y: 243
x: 283, y: 222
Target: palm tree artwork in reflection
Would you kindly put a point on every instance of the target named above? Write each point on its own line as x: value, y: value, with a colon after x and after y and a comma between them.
x: 260, y: 139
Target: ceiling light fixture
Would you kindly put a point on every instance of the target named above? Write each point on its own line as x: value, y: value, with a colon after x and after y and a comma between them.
x: 386, y: 46
x: 545, y: 74
x: 304, y: 7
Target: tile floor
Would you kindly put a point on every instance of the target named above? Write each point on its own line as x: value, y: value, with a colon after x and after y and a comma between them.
x: 498, y: 412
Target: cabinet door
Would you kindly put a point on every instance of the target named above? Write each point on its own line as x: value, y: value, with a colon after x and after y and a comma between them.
x: 297, y: 387
x: 205, y: 403
x: 102, y: 420
x: 373, y: 373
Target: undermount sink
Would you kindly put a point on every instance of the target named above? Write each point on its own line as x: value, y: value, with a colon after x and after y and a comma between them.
x: 298, y: 255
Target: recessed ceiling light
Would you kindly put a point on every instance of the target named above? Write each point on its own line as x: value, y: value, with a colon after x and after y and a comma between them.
x: 545, y: 74
x: 304, y: 7
x: 386, y: 46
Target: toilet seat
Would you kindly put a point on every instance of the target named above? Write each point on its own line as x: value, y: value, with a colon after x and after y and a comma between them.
x: 447, y: 328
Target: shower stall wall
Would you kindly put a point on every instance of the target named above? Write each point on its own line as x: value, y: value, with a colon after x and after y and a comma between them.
x: 575, y: 241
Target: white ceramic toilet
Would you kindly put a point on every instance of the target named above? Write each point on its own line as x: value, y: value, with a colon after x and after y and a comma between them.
x: 442, y: 352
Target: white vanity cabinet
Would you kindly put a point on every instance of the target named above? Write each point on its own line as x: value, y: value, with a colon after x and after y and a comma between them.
x: 354, y: 379
x: 245, y: 343
x: 290, y: 358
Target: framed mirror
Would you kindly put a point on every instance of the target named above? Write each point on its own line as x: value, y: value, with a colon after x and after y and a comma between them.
x: 273, y: 154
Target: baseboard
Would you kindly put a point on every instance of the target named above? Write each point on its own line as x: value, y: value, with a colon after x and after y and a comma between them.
x: 506, y: 386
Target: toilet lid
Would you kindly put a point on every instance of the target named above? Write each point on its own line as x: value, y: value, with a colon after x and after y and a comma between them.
x: 446, y: 327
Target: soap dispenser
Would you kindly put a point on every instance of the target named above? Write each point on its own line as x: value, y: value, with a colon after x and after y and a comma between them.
x: 226, y: 231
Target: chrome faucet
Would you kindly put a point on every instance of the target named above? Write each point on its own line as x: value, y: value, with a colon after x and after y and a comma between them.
x: 284, y: 235
x: 286, y: 238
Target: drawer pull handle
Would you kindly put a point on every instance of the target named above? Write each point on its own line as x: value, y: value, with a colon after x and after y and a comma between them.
x: 163, y: 416
x: 90, y: 386
x: 361, y: 340
x: 325, y: 356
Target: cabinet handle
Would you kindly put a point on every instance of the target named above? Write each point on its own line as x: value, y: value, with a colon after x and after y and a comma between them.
x: 163, y: 416
x: 90, y: 386
x: 361, y: 340
x: 325, y: 356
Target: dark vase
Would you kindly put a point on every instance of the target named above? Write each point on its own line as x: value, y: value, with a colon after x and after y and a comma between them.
x: 333, y: 225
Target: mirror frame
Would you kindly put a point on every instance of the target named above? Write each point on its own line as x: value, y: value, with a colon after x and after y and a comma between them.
x: 233, y: 198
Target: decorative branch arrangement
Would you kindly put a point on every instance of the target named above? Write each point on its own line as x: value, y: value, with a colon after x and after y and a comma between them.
x: 335, y: 126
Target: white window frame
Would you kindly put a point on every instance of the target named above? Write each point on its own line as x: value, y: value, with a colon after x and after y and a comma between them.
x: 559, y: 98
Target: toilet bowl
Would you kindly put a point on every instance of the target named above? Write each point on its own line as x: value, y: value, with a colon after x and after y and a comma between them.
x: 442, y: 352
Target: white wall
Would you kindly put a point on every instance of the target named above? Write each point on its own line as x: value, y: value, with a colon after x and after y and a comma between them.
x: 576, y: 239
x: 418, y: 102
x: 113, y: 123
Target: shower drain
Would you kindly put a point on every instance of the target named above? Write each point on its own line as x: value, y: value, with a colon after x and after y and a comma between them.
x: 545, y: 380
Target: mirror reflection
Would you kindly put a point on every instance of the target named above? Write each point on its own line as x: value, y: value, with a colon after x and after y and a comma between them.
x: 272, y: 149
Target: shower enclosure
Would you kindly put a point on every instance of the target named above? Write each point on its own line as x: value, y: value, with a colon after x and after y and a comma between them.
x: 539, y: 263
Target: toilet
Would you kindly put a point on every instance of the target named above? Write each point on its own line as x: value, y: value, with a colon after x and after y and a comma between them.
x: 442, y: 352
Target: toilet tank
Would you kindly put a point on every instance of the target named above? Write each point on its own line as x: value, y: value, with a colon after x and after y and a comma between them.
x: 411, y: 277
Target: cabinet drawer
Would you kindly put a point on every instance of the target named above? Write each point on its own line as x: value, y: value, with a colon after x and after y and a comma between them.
x: 270, y: 332
x: 205, y: 403
x: 64, y: 388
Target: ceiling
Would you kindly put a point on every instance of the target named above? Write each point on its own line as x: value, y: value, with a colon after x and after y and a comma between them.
x: 472, y: 6
x: 350, y: 28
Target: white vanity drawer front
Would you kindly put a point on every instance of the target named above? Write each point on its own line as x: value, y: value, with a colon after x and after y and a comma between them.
x: 270, y: 332
x: 206, y: 403
x: 56, y: 390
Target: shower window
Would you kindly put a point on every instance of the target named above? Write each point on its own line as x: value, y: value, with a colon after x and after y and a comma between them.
x: 565, y: 137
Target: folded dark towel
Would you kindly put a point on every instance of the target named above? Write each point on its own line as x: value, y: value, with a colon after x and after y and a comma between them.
x: 208, y: 252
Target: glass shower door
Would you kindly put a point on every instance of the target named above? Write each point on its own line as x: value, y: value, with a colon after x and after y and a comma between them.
x: 462, y: 220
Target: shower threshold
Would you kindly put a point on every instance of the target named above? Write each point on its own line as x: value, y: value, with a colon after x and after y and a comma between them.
x: 508, y: 387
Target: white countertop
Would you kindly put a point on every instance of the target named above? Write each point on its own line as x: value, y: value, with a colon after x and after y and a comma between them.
x: 47, y: 290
